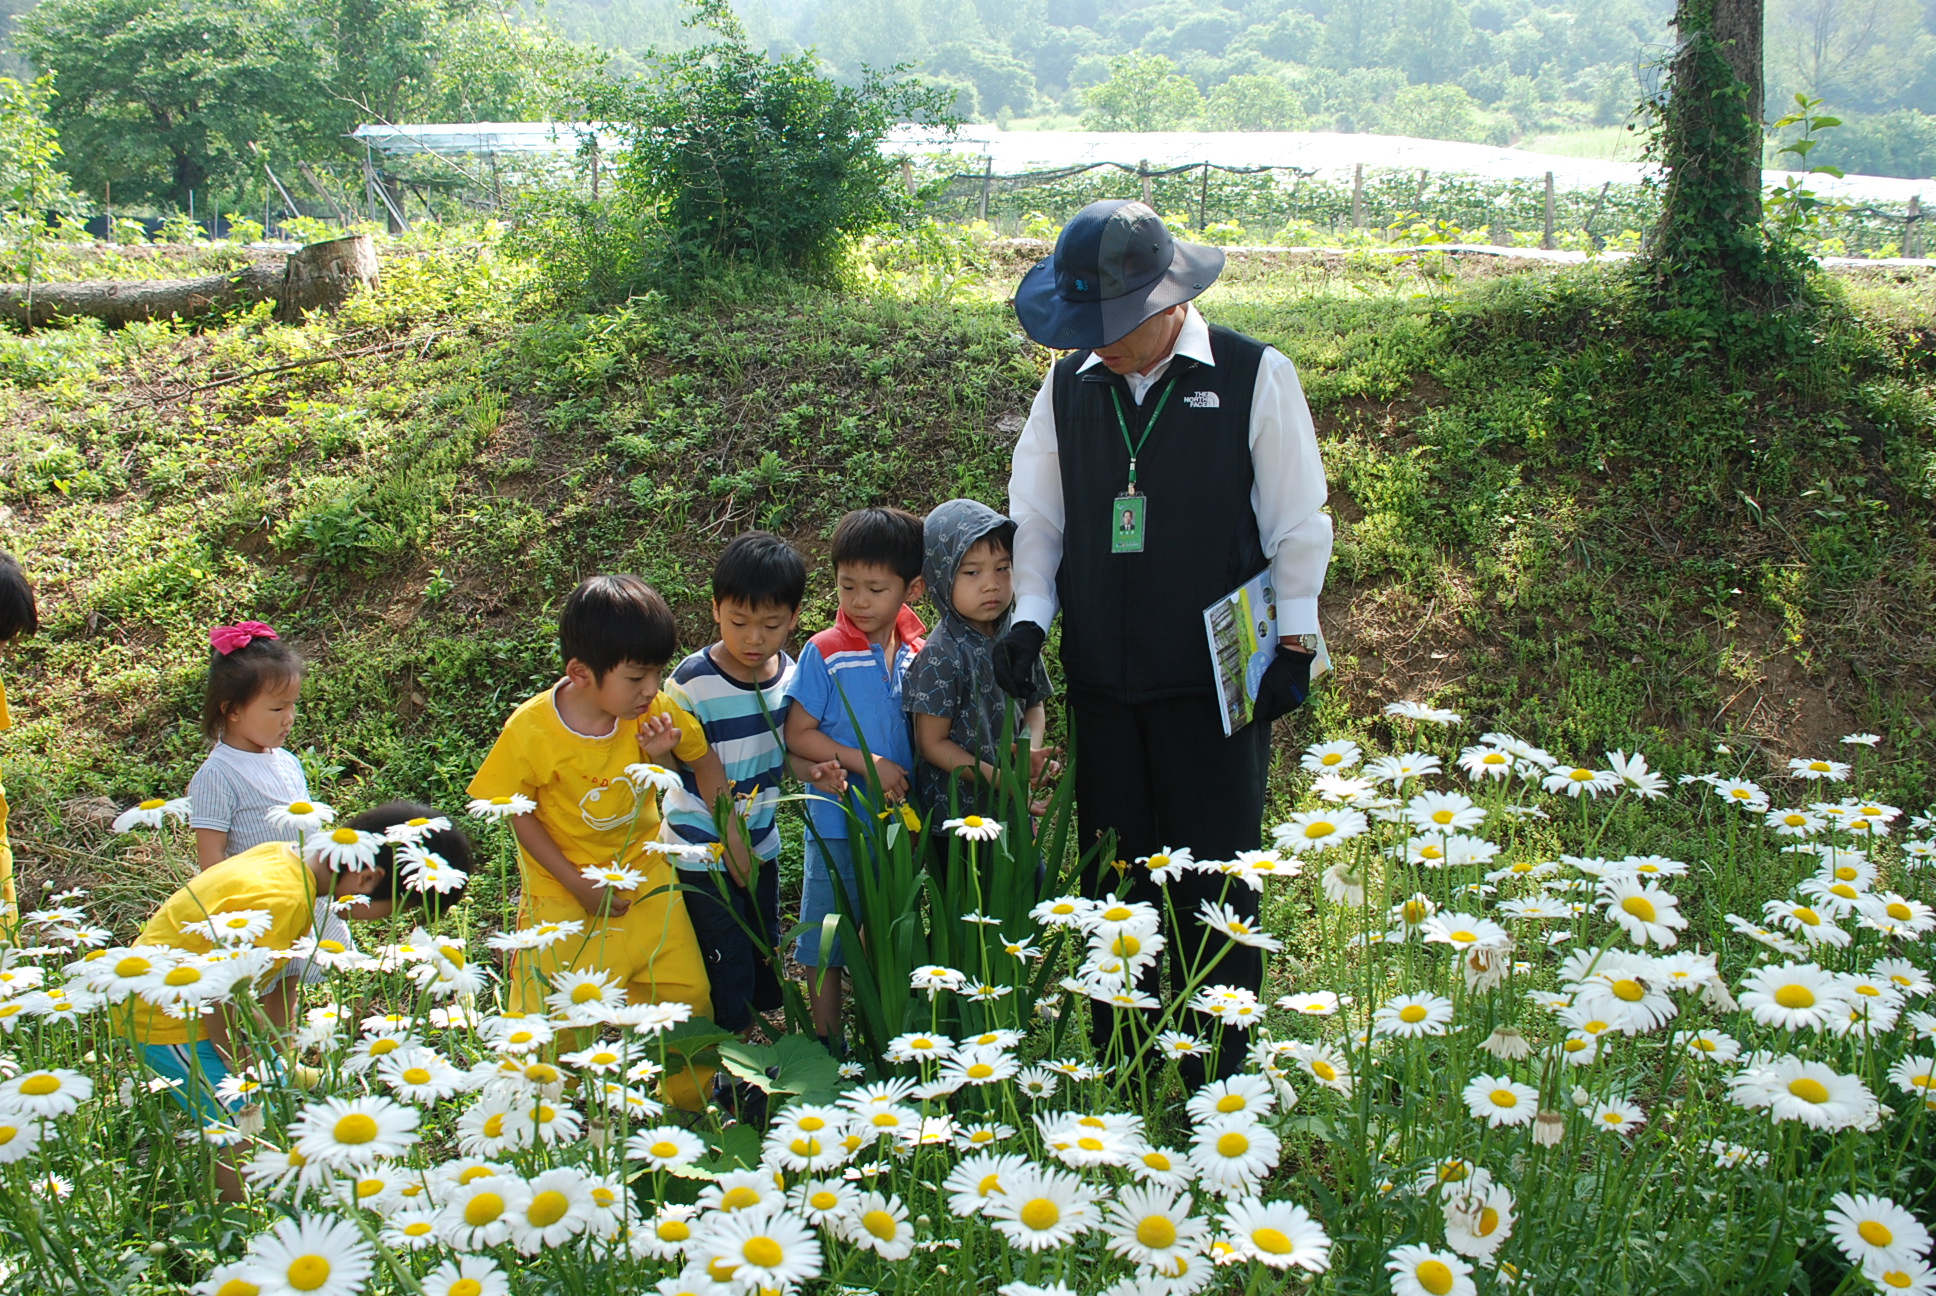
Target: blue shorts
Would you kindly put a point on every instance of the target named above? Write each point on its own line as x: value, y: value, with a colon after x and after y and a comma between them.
x: 196, y: 1075
x: 817, y: 897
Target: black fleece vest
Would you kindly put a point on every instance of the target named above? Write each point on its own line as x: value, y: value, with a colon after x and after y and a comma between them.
x: 1132, y: 624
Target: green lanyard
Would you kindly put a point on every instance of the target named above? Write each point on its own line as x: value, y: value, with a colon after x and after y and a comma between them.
x: 1123, y: 423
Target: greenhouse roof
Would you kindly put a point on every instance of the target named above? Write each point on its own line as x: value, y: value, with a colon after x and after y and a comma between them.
x: 1018, y: 152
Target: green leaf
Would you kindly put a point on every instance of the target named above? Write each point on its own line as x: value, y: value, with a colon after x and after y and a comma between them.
x: 795, y: 1064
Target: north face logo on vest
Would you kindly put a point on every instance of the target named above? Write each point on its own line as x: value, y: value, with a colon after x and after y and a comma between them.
x: 1202, y: 400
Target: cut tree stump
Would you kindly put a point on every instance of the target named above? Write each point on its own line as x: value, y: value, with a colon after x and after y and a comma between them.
x: 323, y: 275
x: 318, y: 277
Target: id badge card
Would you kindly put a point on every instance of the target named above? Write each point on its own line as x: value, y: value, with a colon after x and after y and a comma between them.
x: 1126, y: 518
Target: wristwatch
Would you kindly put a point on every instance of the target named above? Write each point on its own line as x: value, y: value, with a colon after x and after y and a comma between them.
x: 1307, y: 642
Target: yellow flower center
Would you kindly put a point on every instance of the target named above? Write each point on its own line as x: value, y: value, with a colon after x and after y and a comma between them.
x: 307, y: 1272
x: 971, y: 821
x: 40, y: 1086
x: 738, y: 1199
x: 1640, y: 907
x: 1488, y: 1221
x: 1899, y: 911
x: 1704, y: 1044
x: 482, y: 1209
x: 1463, y: 937
x: 238, y: 1287
x: 1845, y: 891
x: 465, y: 1287
x: 1332, y: 758
x: 1807, y: 916
x: 989, y: 1185
x: 1412, y: 1014
x: 880, y: 1224
x: 1897, y: 1279
x: 673, y: 1231
x: 1575, y: 1045
x: 1156, y: 1232
x: 380, y: 1047
x: 416, y: 1076
x: 1270, y: 1241
x: 1809, y: 1090
x: 344, y: 836
x: 1430, y: 853
x: 805, y: 1147
x: 547, y: 1208
x: 331, y: 946
x: 1875, y: 1233
x: 1232, y: 1144
x: 1156, y: 1160
x: 368, y: 1188
x: 1089, y: 1144
x: 1322, y: 828
x: 1442, y: 816
x: 494, y: 1125
x: 182, y: 976
x: 1795, y: 996
x: 417, y: 1228
x: 1230, y: 1103
x: 1434, y: 1276
x: 1116, y: 913
x: 1126, y: 946
x: 1630, y: 990
x: 585, y: 992
x: 1040, y: 1214
x: 542, y: 1073
x: 132, y: 966
x: 1578, y: 776
x: 1504, y: 1098
x: 355, y: 1128
x: 886, y: 1120
x: 521, y: 1037
x: 823, y: 1200
x: 301, y: 808
x: 1323, y: 1070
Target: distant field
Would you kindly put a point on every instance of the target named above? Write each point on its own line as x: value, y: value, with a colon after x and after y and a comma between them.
x: 1609, y: 143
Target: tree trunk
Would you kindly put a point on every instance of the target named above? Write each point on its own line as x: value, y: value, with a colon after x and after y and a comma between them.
x: 1709, y: 243
x: 116, y: 302
x: 319, y: 277
x: 323, y: 275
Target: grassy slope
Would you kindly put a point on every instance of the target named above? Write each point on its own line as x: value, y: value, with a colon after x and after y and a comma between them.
x: 1549, y: 517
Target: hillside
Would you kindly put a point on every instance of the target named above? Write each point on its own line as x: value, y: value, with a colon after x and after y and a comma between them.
x: 1552, y: 515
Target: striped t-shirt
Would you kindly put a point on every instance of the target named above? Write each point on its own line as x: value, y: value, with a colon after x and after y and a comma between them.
x: 745, y: 724
x: 234, y: 791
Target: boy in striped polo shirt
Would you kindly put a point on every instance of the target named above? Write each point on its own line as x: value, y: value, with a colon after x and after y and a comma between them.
x: 737, y: 690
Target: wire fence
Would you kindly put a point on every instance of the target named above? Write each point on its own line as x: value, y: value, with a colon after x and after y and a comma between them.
x: 1294, y: 205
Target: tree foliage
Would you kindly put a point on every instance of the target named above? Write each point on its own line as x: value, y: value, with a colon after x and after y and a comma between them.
x: 733, y: 158
x: 162, y: 98
x: 1142, y: 94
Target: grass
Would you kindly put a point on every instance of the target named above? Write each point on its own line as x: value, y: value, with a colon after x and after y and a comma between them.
x: 1604, y: 143
x: 1553, y: 514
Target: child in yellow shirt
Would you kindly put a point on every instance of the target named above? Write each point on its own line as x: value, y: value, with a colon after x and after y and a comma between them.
x: 18, y: 617
x: 569, y: 750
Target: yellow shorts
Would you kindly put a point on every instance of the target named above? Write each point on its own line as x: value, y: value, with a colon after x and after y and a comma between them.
x: 649, y: 948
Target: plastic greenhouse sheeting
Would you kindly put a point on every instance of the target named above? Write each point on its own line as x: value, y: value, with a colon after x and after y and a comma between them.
x: 1008, y: 153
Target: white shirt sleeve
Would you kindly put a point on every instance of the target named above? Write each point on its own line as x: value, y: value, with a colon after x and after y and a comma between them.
x: 1035, y: 502
x: 1288, y: 495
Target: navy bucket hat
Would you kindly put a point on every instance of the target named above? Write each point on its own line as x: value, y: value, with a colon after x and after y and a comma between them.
x: 1115, y: 265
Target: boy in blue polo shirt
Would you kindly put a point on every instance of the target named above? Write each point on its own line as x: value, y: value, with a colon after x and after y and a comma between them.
x: 851, y: 672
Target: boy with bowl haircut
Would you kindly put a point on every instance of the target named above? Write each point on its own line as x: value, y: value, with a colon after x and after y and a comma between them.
x: 851, y: 672
x: 737, y: 690
x: 958, y: 711
x: 576, y: 750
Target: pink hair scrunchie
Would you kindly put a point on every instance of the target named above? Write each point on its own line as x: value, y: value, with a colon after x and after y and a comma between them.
x: 226, y: 639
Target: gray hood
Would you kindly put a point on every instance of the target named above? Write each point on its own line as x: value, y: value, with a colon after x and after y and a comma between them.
x: 949, y: 533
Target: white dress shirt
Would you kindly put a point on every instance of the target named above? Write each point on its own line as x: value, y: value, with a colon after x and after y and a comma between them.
x: 1287, y: 495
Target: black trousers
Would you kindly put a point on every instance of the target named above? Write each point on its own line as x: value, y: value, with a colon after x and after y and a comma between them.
x: 1162, y: 774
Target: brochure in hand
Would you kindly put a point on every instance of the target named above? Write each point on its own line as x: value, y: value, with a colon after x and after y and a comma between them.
x: 1242, y: 629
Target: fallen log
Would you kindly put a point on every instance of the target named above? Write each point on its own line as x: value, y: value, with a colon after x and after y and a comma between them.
x: 320, y: 276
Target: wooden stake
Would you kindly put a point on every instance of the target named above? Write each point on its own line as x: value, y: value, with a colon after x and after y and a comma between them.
x: 1547, y: 242
x: 1358, y: 197
x: 1149, y: 187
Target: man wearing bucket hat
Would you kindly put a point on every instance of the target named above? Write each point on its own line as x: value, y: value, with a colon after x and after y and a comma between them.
x: 1165, y: 462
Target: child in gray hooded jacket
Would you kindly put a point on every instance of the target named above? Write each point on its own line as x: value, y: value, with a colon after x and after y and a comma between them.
x: 958, y: 712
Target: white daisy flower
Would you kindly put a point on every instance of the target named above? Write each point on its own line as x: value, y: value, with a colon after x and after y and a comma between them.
x: 1041, y: 1209
x: 1331, y: 757
x: 1151, y: 1226
x: 1792, y: 1089
x: 311, y: 1255
x: 1232, y: 1154
x: 879, y: 1223
x: 974, y: 828
x: 467, y: 1276
x: 501, y: 807
x: 1501, y: 1100
x: 1872, y: 1230
x: 345, y: 850
x: 1617, y: 1116
x: 1313, y: 830
x: 1418, y: 1270
x: 354, y: 1131
x: 48, y: 1093
x: 1412, y: 1016
x: 152, y: 813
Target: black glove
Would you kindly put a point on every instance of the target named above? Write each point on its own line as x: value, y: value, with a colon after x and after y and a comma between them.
x: 1286, y: 683
x: 1016, y: 654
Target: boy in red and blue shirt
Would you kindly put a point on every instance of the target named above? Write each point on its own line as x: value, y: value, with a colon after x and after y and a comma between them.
x: 846, y: 693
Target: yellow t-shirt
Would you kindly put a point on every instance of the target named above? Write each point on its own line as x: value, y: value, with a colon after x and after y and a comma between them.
x: 586, y: 805
x: 271, y: 877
